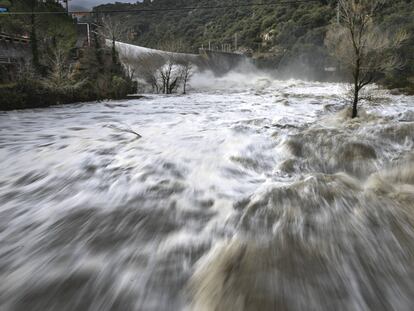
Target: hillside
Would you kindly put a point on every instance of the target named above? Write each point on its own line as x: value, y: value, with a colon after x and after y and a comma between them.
x: 289, y: 36
x: 57, y: 66
x: 57, y: 30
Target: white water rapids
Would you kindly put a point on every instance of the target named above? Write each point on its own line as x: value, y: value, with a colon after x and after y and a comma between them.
x: 254, y: 195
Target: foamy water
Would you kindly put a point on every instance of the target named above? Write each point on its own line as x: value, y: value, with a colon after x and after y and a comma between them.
x: 247, y: 194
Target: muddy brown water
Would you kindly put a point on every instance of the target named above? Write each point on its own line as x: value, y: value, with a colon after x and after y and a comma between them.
x: 259, y: 195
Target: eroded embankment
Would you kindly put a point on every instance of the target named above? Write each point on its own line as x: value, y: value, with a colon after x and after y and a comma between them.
x: 340, y: 237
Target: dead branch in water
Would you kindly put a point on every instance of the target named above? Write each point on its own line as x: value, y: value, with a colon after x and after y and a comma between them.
x: 128, y: 129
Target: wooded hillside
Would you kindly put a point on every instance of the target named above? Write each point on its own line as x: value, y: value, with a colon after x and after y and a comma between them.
x: 286, y: 36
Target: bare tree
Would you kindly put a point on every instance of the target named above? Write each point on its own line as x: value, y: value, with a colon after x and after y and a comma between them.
x: 113, y: 30
x: 130, y: 66
x: 147, y: 67
x: 170, y: 74
x: 61, y: 78
x: 361, y: 46
x: 33, y: 36
x: 177, y: 69
x: 186, y: 74
x: 165, y: 72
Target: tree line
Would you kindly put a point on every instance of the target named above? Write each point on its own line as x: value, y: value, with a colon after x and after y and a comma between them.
x: 289, y: 37
x: 63, y: 67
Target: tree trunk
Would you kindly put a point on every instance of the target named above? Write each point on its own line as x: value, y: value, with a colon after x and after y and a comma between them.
x: 114, y: 60
x: 168, y: 79
x: 185, y: 78
x: 355, y: 103
x: 98, y: 52
x: 356, y: 89
x: 33, y: 42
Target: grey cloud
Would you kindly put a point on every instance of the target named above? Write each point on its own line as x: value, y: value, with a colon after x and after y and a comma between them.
x: 91, y: 3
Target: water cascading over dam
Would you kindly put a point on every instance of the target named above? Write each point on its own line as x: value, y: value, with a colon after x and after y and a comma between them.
x: 218, y: 62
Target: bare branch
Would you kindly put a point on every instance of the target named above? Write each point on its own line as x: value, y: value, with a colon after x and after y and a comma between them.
x: 361, y: 47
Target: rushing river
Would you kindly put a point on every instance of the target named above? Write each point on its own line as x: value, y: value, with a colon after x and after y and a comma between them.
x: 259, y: 195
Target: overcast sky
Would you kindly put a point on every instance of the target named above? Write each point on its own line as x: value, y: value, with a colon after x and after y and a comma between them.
x: 91, y: 3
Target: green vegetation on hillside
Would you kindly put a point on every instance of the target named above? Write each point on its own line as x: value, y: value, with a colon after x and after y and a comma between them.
x: 58, y: 66
x: 286, y: 37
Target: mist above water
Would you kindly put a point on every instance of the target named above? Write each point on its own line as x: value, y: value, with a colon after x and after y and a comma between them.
x: 249, y: 193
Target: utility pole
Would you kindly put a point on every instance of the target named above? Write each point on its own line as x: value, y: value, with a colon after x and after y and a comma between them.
x: 33, y: 37
x: 67, y: 6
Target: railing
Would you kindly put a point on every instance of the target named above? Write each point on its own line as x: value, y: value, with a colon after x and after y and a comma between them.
x: 204, y: 50
x: 13, y: 39
x: 8, y: 60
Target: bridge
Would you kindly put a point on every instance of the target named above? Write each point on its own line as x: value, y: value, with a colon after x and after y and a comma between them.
x: 14, y: 39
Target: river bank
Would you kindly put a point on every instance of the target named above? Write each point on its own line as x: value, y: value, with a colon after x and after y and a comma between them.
x: 16, y: 96
x: 92, y: 76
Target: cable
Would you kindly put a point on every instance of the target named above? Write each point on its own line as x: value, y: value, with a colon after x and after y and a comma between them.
x: 162, y: 9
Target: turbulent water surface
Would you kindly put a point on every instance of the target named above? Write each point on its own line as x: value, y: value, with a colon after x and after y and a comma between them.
x: 260, y: 196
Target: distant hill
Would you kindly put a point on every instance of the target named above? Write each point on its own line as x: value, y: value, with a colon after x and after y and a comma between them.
x: 270, y: 33
x: 78, y: 8
x: 289, y: 36
x: 89, y: 4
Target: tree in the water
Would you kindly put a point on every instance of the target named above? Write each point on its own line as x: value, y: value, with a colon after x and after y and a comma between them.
x: 186, y: 74
x: 170, y: 74
x: 363, y: 49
